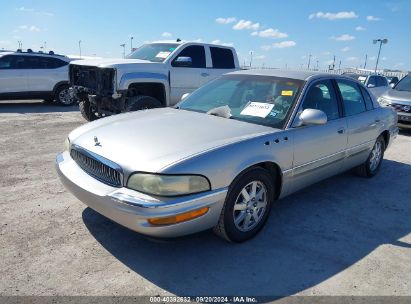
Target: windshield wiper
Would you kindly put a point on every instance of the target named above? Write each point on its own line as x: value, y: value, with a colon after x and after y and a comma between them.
x: 223, y: 111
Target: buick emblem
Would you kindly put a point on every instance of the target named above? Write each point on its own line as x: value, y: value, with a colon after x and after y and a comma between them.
x: 406, y: 108
x: 96, y: 142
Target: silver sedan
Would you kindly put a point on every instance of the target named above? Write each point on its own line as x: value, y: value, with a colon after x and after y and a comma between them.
x: 223, y: 156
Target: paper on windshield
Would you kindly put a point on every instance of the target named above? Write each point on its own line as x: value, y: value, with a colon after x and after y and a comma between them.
x: 162, y: 55
x: 259, y: 109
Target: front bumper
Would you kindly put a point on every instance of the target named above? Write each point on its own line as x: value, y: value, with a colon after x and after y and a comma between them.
x: 133, y: 209
x: 404, y: 120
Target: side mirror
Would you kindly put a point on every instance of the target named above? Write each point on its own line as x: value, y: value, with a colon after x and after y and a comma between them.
x: 370, y: 85
x: 184, y: 96
x: 310, y: 117
x: 183, y: 62
x: 392, y: 84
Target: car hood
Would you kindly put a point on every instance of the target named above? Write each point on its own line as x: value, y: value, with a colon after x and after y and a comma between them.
x: 398, y: 95
x: 110, y: 63
x: 154, y: 139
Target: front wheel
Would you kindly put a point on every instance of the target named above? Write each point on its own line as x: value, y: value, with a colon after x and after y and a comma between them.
x: 87, y: 110
x: 373, y: 163
x: 247, y: 206
x: 137, y: 103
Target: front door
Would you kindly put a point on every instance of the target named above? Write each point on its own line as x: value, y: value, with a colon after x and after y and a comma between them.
x: 13, y: 76
x: 319, y: 150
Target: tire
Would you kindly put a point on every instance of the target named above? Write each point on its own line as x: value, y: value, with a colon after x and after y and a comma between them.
x: 373, y: 163
x: 142, y: 102
x: 87, y: 111
x: 63, y: 97
x: 232, y: 224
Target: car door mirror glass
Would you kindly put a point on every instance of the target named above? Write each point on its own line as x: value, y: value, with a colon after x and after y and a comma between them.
x: 183, y: 62
x: 312, y: 117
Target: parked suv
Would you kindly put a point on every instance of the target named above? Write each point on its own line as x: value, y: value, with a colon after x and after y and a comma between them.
x: 377, y: 84
x: 155, y: 75
x: 31, y: 75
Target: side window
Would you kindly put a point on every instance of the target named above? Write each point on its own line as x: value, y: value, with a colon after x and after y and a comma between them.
x: 222, y: 58
x: 372, y: 81
x: 367, y: 98
x: 381, y: 82
x: 20, y: 62
x: 6, y: 62
x: 197, y: 54
x: 32, y: 62
x: 321, y: 96
x: 352, y: 97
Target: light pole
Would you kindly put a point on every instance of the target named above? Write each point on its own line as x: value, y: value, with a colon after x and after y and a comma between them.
x: 45, y: 46
x: 124, y: 49
x: 365, y: 63
x: 309, y: 62
x: 381, y: 41
x: 79, y: 47
x: 131, y: 43
x: 251, y: 58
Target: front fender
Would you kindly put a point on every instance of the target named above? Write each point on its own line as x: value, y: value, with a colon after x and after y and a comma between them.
x: 141, y: 77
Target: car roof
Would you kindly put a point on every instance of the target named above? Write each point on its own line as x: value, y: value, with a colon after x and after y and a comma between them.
x: 62, y: 57
x: 300, y: 75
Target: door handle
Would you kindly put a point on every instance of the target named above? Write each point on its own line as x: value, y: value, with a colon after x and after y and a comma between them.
x: 205, y: 74
x: 341, y: 131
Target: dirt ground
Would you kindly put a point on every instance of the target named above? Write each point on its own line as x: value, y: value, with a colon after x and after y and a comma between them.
x: 344, y: 236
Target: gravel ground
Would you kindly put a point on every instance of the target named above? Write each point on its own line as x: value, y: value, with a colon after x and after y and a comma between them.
x: 344, y: 236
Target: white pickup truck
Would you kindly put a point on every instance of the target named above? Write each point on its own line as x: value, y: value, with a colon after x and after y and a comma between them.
x: 155, y: 75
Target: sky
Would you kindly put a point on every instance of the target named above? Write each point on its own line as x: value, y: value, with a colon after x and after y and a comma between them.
x: 274, y: 33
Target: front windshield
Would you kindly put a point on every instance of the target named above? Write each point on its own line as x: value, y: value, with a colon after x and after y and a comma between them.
x: 155, y: 52
x: 263, y: 100
x: 404, y: 84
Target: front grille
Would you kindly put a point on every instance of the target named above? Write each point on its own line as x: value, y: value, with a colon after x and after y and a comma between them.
x: 401, y: 108
x: 95, y: 79
x: 96, y: 168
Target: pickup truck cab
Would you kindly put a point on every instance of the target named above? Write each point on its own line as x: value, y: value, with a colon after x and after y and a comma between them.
x: 155, y: 75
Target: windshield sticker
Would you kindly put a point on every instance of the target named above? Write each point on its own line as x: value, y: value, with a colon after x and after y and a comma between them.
x: 287, y: 93
x: 163, y: 54
x: 259, y: 109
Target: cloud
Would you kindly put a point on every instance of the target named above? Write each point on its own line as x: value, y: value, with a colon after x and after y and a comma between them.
x: 270, y: 33
x: 30, y: 28
x: 218, y: 41
x: 228, y: 20
x: 360, y: 28
x: 326, y: 53
x: 32, y: 10
x: 279, y: 45
x: 259, y: 57
x: 246, y: 25
x: 352, y: 59
x: 372, y: 58
x: 346, y: 49
x: 373, y: 18
x: 166, y: 34
x: 333, y: 16
x: 344, y: 37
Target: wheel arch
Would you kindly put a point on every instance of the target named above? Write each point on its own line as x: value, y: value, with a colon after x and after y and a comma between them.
x: 386, y: 135
x: 273, y: 169
x: 153, y: 89
x: 58, y: 85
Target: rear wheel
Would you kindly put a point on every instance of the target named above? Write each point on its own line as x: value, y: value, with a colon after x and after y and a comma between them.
x: 142, y: 102
x: 373, y: 163
x: 247, y: 206
x: 63, y: 96
x: 87, y: 110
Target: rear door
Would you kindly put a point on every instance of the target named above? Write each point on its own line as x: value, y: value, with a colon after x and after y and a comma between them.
x: 222, y: 61
x: 362, y: 121
x: 13, y: 75
x: 45, y: 72
x: 186, y: 79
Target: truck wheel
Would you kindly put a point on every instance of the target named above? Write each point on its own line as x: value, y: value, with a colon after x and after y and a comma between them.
x: 86, y: 110
x: 137, y: 103
x: 63, y: 96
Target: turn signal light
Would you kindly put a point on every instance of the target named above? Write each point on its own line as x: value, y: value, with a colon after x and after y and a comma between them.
x: 178, y: 218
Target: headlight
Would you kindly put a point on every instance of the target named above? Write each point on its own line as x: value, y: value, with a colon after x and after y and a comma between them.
x: 168, y: 185
x: 384, y: 101
x: 67, y: 144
